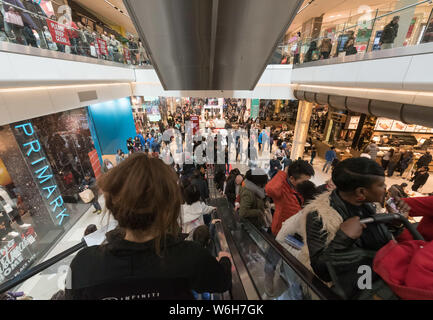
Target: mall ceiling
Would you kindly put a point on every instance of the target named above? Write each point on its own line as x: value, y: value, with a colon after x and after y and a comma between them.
x: 211, y: 44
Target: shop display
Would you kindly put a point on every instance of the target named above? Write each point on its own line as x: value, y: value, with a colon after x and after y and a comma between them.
x: 42, y: 162
x: 376, y: 42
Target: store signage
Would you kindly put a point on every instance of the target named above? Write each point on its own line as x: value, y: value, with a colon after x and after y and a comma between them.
x: 354, y: 122
x: 58, y: 32
x: 338, y: 117
x: 195, y: 124
x: 127, y: 54
x: 41, y: 171
x: 384, y: 124
x: 102, y: 47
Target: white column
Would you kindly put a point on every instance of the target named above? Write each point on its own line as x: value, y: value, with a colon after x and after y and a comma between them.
x: 301, y: 129
x: 248, y: 111
x: 406, y: 17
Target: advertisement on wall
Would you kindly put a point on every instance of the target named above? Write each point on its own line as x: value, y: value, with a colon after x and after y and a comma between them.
x: 363, y: 35
x: 354, y: 121
x: 152, y: 110
x: 255, y: 108
x: 383, y: 124
x: 195, y: 124
x: 16, y: 255
x: 398, y: 126
x: 376, y: 45
x: 58, y: 32
x: 102, y: 47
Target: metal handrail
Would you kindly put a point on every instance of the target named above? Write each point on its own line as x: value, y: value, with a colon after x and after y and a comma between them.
x: 316, y: 285
x: 345, y: 29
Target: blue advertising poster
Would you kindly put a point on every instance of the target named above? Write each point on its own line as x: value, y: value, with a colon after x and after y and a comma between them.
x: 376, y: 45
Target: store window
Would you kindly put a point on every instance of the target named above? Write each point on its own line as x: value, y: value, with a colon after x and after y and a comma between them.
x: 42, y: 163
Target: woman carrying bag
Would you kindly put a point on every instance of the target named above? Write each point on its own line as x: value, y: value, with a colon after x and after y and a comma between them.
x: 88, y: 195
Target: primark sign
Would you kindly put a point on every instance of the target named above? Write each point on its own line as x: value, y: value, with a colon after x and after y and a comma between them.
x: 41, y: 171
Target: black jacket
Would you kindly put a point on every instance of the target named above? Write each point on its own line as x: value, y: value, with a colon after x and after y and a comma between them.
x: 230, y: 191
x: 202, y: 187
x: 123, y: 270
x: 346, y: 255
x: 389, y: 33
x: 424, y: 160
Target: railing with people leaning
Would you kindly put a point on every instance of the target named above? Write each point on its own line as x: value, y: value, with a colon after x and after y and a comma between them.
x: 408, y: 30
x: 26, y: 28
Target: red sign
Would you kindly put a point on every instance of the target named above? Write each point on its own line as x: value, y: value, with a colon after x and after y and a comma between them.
x: 195, y: 124
x: 58, y: 32
x: 96, y: 165
x: 102, y: 47
x: 127, y: 54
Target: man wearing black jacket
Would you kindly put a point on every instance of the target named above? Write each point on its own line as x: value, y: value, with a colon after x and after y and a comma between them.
x: 389, y: 34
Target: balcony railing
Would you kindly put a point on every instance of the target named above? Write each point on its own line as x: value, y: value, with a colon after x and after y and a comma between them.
x: 26, y: 29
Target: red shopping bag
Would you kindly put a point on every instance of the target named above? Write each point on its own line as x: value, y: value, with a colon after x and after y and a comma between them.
x: 407, y: 267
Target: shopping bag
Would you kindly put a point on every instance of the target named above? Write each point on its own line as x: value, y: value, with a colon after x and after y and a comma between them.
x: 87, y: 195
x: 14, y: 18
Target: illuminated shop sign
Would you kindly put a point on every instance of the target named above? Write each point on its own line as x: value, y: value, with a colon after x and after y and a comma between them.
x: 41, y: 171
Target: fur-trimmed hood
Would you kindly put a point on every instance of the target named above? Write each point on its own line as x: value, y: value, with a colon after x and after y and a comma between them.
x: 331, y: 220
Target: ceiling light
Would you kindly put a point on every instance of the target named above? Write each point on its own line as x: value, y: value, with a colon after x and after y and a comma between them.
x: 332, y: 16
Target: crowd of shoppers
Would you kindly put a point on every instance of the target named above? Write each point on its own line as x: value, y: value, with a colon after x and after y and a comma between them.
x: 25, y: 22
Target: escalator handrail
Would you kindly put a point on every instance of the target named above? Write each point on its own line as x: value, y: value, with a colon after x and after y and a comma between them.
x: 238, y: 291
x: 312, y: 281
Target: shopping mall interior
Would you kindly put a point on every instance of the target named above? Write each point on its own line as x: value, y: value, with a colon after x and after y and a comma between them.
x: 216, y: 150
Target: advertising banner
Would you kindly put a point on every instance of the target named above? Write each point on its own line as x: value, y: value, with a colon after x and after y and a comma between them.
x: 127, y: 54
x: 363, y: 35
x: 195, y: 124
x: 255, y: 108
x: 96, y: 164
x: 102, y: 47
x: 58, y: 32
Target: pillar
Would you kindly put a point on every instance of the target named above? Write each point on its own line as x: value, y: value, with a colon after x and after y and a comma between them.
x: 305, y: 110
x: 328, y: 126
x: 358, y: 131
x: 406, y: 17
x: 248, y: 111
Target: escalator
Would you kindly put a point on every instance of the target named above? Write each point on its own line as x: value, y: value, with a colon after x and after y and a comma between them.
x: 266, y: 270
x: 262, y: 269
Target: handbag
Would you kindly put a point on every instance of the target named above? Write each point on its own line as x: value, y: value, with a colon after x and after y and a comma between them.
x: 14, y: 18
x: 87, y: 195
